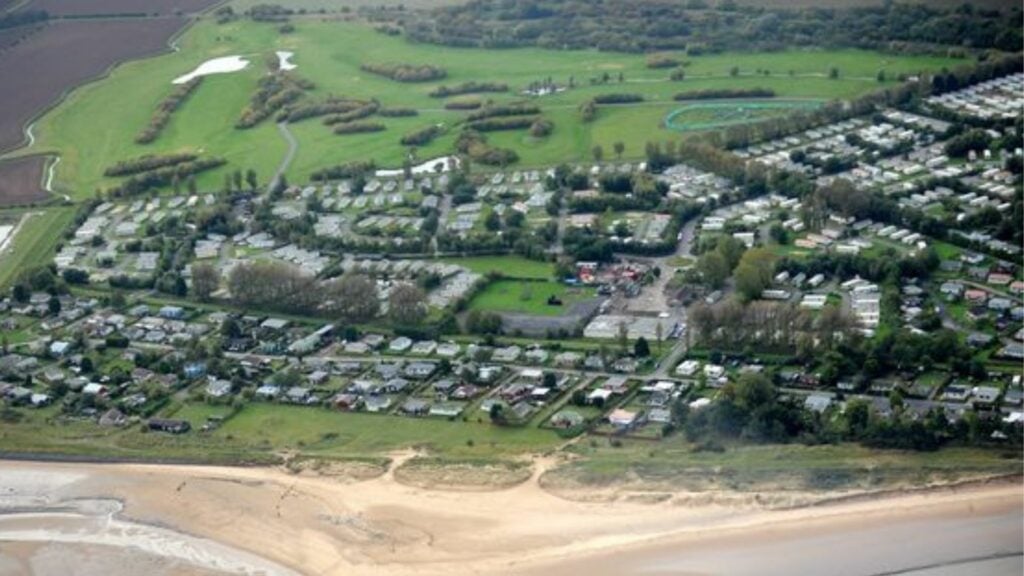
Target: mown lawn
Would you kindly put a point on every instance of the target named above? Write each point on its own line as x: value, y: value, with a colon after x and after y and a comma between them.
x: 326, y: 432
x: 528, y: 297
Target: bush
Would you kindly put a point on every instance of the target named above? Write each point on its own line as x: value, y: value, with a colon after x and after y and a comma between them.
x: 468, y: 88
x: 422, y: 136
x: 406, y: 72
x: 358, y: 127
x: 719, y: 93
x: 617, y: 98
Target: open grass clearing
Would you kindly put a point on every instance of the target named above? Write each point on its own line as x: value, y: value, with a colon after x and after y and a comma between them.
x: 507, y: 266
x: 529, y: 297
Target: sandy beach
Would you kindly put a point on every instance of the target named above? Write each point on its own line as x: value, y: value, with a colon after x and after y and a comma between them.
x: 169, y: 520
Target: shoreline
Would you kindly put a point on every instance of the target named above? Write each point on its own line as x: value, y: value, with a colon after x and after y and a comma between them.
x: 327, y: 525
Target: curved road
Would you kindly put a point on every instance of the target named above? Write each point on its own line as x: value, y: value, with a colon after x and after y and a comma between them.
x: 293, y: 147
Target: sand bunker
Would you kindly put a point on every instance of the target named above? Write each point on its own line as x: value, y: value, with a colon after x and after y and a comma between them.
x: 446, y: 163
x: 284, y: 60
x: 216, y: 66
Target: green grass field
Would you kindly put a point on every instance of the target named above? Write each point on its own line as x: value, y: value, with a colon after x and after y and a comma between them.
x: 96, y: 125
x: 507, y: 266
x: 34, y: 242
x: 528, y: 297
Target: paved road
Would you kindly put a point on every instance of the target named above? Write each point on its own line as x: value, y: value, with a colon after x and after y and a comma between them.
x: 293, y: 147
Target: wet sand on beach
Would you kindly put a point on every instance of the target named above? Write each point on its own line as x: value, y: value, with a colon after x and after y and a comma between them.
x: 122, y: 519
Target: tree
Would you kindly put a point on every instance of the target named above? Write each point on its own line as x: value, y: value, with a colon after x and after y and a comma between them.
x: 192, y: 187
x: 598, y: 153
x: 659, y: 333
x: 881, y: 76
x: 623, y: 335
x: 205, y: 280
x: 734, y: 71
x: 751, y: 391
x: 493, y: 222
x: 353, y: 297
x: 407, y: 304
x: 641, y: 349
x: 619, y: 148
x: 250, y: 179
x: 833, y: 73
x: 754, y: 273
x: 713, y: 268
x: 236, y: 178
x: 54, y: 305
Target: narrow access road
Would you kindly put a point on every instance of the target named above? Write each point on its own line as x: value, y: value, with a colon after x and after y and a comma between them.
x: 293, y: 147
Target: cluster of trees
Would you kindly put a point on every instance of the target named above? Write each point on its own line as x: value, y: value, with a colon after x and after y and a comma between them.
x: 358, y: 127
x: 468, y: 88
x: 422, y: 137
x: 617, y: 98
x: 406, y: 72
x: 163, y: 112
x: 274, y: 91
x: 269, y: 13
x: 358, y: 113
x: 975, y: 140
x: 332, y: 105
x: 474, y: 144
x: 649, y: 25
x: 716, y: 263
x: 157, y: 178
x: 503, y: 123
x: 282, y: 287
x: 343, y: 171
x: 722, y: 93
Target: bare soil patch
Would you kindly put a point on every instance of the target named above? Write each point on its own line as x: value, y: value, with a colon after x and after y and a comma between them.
x: 37, y: 71
x: 21, y: 180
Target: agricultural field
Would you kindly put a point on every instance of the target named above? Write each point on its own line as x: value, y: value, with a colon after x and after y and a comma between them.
x: 330, y: 54
x: 20, y: 180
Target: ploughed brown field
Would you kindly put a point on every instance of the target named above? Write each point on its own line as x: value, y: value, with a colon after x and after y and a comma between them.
x: 35, y: 73
x: 40, y: 67
x: 13, y: 36
x: 112, y: 7
x: 20, y: 180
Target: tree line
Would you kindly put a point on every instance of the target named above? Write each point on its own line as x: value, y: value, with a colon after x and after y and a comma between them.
x: 653, y: 26
x: 162, y: 114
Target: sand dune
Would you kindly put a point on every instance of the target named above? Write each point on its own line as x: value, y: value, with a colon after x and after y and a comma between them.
x: 314, y: 525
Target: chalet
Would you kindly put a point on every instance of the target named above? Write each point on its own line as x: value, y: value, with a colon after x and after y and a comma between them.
x: 688, y: 368
x: 218, y: 388
x: 420, y: 370
x: 415, y: 407
x: 345, y: 401
x: 169, y: 426
x: 113, y: 418
x: 400, y: 344
x: 567, y: 419
x: 622, y: 419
